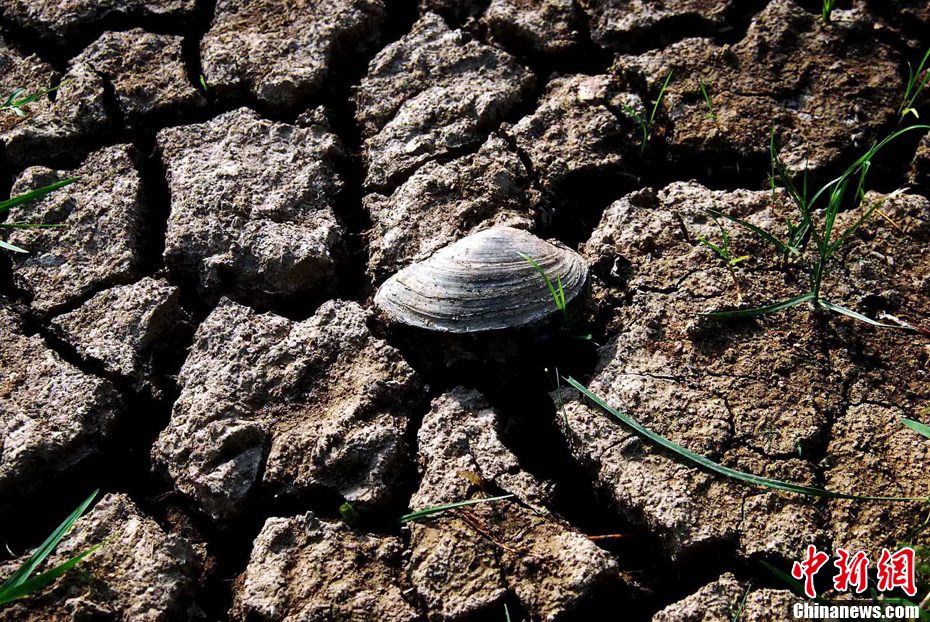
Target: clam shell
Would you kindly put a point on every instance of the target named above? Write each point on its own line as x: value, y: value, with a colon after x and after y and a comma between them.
x: 481, y: 283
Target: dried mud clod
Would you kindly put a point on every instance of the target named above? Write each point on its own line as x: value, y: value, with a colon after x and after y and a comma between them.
x: 464, y: 563
x: 41, y: 438
x: 579, y: 133
x: 761, y: 397
x: 727, y: 599
x: 306, y: 568
x: 790, y: 72
x: 146, y: 70
x: 919, y: 173
x: 431, y: 95
x: 58, y: 21
x: 52, y: 127
x: 252, y: 206
x: 140, y: 573
x: 271, y: 405
x: 128, y: 329
x: 282, y: 53
x: 617, y: 23
x: 549, y: 28
x: 100, y: 241
x: 442, y: 203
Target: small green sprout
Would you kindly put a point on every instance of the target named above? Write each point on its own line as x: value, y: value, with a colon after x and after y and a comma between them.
x: 556, y: 290
x: 16, y: 100
x: 22, y: 582
x: 723, y: 251
x: 203, y: 83
x: 645, y: 123
x: 827, y: 10
x: 711, y: 114
x: 348, y: 513
x: 442, y: 509
x: 506, y: 613
x: 835, y: 194
x: 916, y: 81
x: 25, y: 198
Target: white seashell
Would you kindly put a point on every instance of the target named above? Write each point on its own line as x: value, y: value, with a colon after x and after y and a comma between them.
x: 482, y: 283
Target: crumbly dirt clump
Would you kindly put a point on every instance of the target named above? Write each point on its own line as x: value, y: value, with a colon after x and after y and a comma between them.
x: 283, y: 52
x: 49, y: 127
x: 267, y: 403
x: 252, y: 205
x: 306, y: 568
x: 146, y: 70
x: 127, y: 329
x: 99, y: 237
x: 61, y: 21
x: 432, y: 94
x: 727, y: 599
x: 463, y: 563
x: 41, y: 437
x: 579, y: 132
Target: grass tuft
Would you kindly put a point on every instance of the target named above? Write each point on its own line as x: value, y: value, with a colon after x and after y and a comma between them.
x: 723, y: 251
x: 21, y: 583
x: 826, y: 10
x: 916, y: 81
x: 645, y: 123
x: 816, y: 223
x: 711, y: 114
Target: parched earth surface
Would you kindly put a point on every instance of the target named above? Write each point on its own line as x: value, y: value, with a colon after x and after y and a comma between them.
x: 192, y: 332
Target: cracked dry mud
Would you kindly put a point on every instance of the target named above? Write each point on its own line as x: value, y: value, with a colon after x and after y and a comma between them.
x: 196, y: 334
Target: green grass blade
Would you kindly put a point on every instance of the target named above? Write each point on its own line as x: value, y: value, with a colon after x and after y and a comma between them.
x: 719, y: 251
x: 760, y: 311
x: 439, y: 509
x: 850, y: 230
x: 826, y: 304
x: 40, y: 581
x: 655, y: 105
x: 710, y: 465
x: 759, y: 231
x: 559, y: 301
x: 35, y: 194
x: 710, y: 106
x: 22, y: 574
x: 12, y: 247
x: 920, y: 428
x: 742, y: 604
x: 506, y: 613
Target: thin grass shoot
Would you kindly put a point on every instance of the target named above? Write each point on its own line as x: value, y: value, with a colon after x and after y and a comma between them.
x: 22, y: 582
x: 711, y: 113
x: 917, y: 80
x: 442, y: 509
x: 646, y: 123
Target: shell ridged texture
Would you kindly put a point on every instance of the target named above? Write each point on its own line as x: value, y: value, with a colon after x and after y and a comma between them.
x: 481, y: 283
